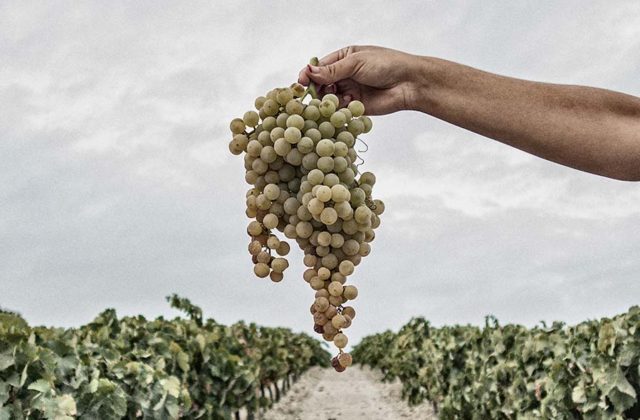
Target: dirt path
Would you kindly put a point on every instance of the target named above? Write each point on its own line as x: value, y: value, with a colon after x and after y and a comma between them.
x: 323, y: 394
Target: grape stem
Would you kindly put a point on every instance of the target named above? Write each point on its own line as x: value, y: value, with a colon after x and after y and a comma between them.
x: 311, y: 89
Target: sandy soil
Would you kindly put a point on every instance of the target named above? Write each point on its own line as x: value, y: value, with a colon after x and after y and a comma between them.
x: 356, y: 394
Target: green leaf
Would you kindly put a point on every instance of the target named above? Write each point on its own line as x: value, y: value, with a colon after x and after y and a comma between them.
x: 183, y: 361
x: 40, y: 385
x: 171, y: 385
x: 5, y: 413
x: 6, y: 360
x: 67, y: 405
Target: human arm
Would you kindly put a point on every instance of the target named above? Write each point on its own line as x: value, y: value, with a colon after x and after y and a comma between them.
x: 589, y: 129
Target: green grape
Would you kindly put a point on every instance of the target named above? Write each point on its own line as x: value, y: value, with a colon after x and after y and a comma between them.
x: 292, y: 135
x: 268, y: 154
x: 271, y: 191
x: 294, y: 107
x: 269, y: 123
x: 270, y: 221
x: 251, y: 118
x: 276, y: 133
x: 355, y: 127
x: 339, y: 193
x: 315, y: 177
x: 325, y: 164
x: 305, y: 145
x: 340, y: 149
x: 237, y: 126
x: 327, y: 108
x: 323, y: 193
x: 356, y: 108
x: 367, y: 178
x: 314, y: 134
x: 338, y: 119
x: 339, y: 164
x: 329, y: 216
x: 327, y: 130
x: 366, y: 121
x: 347, y: 176
x: 325, y: 148
x: 282, y: 147
x: 294, y: 157
x: 346, y: 268
x: 347, y: 138
x: 331, y: 97
x: 295, y: 121
x: 311, y: 112
x: 281, y: 120
x: 284, y: 95
x: 270, y: 107
x: 310, y: 161
x: 254, y: 148
x: 259, y: 102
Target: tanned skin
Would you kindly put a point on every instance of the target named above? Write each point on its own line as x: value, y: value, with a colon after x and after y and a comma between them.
x: 589, y: 129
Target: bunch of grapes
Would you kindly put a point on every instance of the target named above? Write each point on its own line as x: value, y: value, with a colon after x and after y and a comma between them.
x: 301, y: 164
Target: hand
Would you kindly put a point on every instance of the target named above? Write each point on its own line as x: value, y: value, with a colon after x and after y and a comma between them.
x: 382, y: 79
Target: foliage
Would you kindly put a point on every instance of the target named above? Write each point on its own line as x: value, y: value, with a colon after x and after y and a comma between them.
x: 131, y: 367
x: 591, y: 370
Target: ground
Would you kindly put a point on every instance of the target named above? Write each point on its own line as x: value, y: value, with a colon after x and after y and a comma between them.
x: 356, y: 394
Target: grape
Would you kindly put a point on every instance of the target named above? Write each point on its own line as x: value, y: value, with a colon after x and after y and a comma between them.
x: 327, y: 108
x: 346, y: 269
x: 325, y: 147
x: 350, y: 292
x: 338, y: 119
x: 335, y: 287
x: 328, y: 216
x: 292, y: 134
x: 323, y: 193
x: 325, y: 164
x: 259, y: 102
x: 300, y: 162
x: 345, y: 360
x: 271, y: 191
x: 340, y: 340
x: 279, y: 264
x: 305, y: 145
x: 294, y: 108
x: 311, y: 112
x: 270, y: 107
x: 333, y: 98
x: 261, y: 270
x: 276, y: 277
x: 327, y: 130
x: 273, y: 242
x: 237, y: 126
x: 349, y: 311
x: 270, y: 221
x: 250, y: 118
x: 282, y: 147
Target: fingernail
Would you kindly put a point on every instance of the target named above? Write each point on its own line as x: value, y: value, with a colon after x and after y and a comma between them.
x: 347, y: 98
x: 313, y: 69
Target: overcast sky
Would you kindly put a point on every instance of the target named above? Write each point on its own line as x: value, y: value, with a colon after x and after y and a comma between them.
x: 117, y: 188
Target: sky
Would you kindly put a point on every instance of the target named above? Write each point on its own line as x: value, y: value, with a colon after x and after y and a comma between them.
x: 117, y: 188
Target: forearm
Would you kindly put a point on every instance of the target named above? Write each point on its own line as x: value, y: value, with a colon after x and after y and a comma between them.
x: 590, y: 129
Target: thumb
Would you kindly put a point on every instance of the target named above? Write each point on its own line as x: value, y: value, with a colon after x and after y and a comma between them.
x: 334, y: 72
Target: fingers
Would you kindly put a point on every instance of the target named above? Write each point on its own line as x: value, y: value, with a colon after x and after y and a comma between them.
x: 332, y: 73
x: 331, y: 58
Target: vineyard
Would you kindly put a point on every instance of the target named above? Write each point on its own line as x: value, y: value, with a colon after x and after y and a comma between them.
x: 591, y: 370
x: 132, y: 367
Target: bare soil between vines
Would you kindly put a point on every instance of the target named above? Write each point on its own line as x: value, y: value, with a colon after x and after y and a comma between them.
x: 356, y: 394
